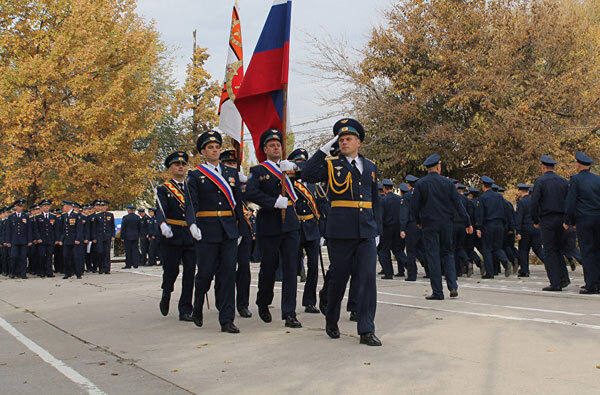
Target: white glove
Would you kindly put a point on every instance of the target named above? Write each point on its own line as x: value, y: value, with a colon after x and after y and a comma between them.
x: 376, y: 241
x: 322, y: 242
x: 196, y: 234
x: 327, y: 147
x: 166, y: 230
x: 243, y: 178
x: 281, y: 202
x: 239, y: 240
x: 286, y: 165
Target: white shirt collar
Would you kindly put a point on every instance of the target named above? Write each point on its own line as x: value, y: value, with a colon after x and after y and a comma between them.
x: 216, y: 168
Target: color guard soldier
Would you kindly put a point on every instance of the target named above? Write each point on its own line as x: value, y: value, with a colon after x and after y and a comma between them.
x: 20, y: 236
x: 176, y: 243
x: 582, y: 211
x: 152, y: 236
x: 308, y: 213
x: 46, y: 235
x: 434, y: 202
x: 242, y: 274
x: 278, y: 239
x: 130, y: 234
x: 547, y: 210
x: 353, y: 225
x: 71, y: 236
x: 103, y: 234
x: 212, y: 211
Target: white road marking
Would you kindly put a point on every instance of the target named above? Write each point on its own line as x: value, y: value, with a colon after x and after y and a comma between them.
x: 59, y: 365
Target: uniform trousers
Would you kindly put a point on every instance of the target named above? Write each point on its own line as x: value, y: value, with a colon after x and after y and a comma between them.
x: 18, y: 260
x: 492, y: 241
x: 552, y: 233
x: 132, y: 253
x: 391, y: 242
x: 437, y: 237
x: 171, y: 257
x: 102, y: 254
x: 242, y: 274
x: 530, y: 239
x: 311, y: 247
x: 588, y: 233
x: 45, y: 258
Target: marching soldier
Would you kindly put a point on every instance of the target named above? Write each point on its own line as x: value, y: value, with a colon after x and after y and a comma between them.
x: 152, y: 236
x: 582, y: 209
x: 32, y: 251
x: 58, y: 250
x: 278, y: 238
x: 3, y: 241
x: 20, y: 236
x: 242, y: 274
x: 547, y: 210
x: 144, y: 242
x: 130, y: 234
x: 176, y: 244
x: 412, y: 234
x: 310, y: 236
x: 103, y: 234
x: 353, y: 225
x: 71, y: 236
x: 430, y: 205
x: 459, y: 236
x: 46, y: 233
x: 491, y: 216
x: 212, y: 210
x: 527, y: 237
x: 85, y: 235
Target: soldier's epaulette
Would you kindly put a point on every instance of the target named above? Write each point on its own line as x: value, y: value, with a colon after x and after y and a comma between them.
x: 332, y: 157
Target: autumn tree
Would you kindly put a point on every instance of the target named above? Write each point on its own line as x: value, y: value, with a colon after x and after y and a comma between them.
x: 489, y: 85
x: 78, y: 84
x: 195, y: 103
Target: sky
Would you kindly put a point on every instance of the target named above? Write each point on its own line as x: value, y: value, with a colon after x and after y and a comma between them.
x: 351, y: 20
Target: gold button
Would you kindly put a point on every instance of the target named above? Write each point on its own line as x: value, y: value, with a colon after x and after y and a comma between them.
x: 361, y: 196
x: 361, y: 209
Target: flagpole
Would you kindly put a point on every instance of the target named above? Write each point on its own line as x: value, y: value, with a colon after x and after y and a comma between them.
x: 283, y: 153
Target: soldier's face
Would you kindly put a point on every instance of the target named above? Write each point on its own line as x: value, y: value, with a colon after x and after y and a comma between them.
x: 18, y: 209
x: 45, y: 208
x: 230, y: 164
x: 178, y: 169
x: 273, y: 150
x: 349, y: 145
x: 211, y: 151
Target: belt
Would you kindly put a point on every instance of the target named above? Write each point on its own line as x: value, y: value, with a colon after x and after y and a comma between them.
x: 203, y: 214
x: 351, y: 204
x: 306, y: 217
x: 177, y: 222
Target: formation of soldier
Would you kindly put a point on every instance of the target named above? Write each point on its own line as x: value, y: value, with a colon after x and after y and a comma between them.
x: 203, y: 222
x: 41, y: 241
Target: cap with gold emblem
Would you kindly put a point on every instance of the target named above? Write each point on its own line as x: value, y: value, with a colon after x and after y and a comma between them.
x: 269, y: 135
x: 208, y: 137
x: 177, y: 156
x: 349, y: 126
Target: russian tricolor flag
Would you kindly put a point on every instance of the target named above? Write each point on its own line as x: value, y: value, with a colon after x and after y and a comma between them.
x: 260, y: 98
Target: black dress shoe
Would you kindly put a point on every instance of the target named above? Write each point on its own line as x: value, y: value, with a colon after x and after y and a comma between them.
x: 353, y: 316
x: 323, y: 302
x: 50, y: 275
x: 387, y: 277
x: 565, y: 283
x: 410, y: 279
x: 453, y: 293
x: 381, y: 272
x: 523, y: 275
x: 12, y: 276
x: 552, y: 289
x: 164, y: 305
x: 434, y: 297
x: 65, y: 277
x: 487, y: 277
x: 126, y: 267
x: 427, y: 276
x: 264, y: 313
x: 197, y: 318
x: 585, y: 291
x: 369, y: 339
x: 229, y: 327
x: 332, y: 331
x: 185, y: 317
x: 292, y: 322
x: 79, y: 276
x: 311, y: 309
x: 245, y: 313
x: 24, y: 277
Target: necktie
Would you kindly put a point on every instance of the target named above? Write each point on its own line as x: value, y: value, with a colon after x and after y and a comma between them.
x: 180, y: 185
x: 355, y: 167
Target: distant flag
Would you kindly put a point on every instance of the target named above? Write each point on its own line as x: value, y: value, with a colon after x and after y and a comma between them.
x: 260, y: 98
x: 230, y: 120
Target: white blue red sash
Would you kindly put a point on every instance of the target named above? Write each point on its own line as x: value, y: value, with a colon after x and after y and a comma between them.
x: 288, y: 184
x: 220, y: 182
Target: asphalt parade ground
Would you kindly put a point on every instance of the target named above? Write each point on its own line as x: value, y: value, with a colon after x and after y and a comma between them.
x: 105, y: 334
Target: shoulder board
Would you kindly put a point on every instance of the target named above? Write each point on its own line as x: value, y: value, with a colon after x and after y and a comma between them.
x: 332, y: 157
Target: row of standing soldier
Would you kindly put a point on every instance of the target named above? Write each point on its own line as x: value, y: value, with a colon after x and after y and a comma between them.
x: 68, y: 239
